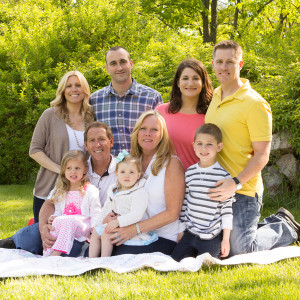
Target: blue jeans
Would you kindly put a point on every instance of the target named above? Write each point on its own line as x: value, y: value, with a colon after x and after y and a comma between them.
x: 248, y: 235
x: 29, y: 239
x: 191, y: 245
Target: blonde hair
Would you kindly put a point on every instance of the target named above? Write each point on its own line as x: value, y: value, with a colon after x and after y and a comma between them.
x: 163, y: 152
x: 59, y: 103
x: 130, y: 159
x: 62, y: 185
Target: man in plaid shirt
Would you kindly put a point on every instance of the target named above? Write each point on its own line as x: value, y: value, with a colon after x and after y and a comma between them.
x: 121, y: 103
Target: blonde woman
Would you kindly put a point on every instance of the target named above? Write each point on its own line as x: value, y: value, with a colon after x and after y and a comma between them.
x: 165, y: 187
x: 59, y: 129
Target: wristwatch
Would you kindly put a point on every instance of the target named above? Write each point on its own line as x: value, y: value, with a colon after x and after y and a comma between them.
x: 238, y: 184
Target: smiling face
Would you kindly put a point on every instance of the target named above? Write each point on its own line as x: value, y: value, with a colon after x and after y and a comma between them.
x: 74, y: 171
x: 127, y: 174
x: 227, y: 66
x: 73, y: 92
x: 119, y: 65
x: 98, y: 144
x: 190, y: 84
x: 206, y: 148
x: 149, y: 134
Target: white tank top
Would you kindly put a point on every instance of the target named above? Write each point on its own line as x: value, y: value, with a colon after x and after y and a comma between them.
x: 157, y: 203
x: 76, y: 139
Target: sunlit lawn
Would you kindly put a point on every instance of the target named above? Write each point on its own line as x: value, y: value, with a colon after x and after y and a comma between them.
x: 276, y: 281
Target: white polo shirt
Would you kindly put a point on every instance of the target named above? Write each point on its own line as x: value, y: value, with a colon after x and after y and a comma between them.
x: 104, y: 181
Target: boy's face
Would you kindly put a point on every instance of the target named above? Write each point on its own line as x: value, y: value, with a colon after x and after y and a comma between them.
x: 206, y: 148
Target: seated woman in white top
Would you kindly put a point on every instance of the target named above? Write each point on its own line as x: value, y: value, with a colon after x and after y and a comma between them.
x: 165, y: 186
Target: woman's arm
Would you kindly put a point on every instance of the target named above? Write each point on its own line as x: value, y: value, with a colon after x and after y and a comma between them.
x: 174, y: 189
x: 39, y: 141
x: 45, y: 161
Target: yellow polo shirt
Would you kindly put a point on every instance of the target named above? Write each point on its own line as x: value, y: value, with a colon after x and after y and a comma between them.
x: 243, y: 117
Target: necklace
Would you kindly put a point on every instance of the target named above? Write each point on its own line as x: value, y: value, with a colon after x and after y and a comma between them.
x: 77, y: 142
x: 76, y: 138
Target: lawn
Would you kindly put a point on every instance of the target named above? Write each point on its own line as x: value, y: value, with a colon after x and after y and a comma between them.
x: 276, y: 281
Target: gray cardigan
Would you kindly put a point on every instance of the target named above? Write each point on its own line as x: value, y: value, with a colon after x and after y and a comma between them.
x: 51, y: 137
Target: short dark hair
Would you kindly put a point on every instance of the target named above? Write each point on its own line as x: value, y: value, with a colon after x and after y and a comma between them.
x: 116, y: 48
x: 98, y: 124
x: 228, y: 44
x: 206, y: 92
x: 210, y: 129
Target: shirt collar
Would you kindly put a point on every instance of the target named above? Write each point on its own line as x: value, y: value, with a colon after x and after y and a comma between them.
x: 134, y: 89
x: 111, y: 167
x: 239, y: 94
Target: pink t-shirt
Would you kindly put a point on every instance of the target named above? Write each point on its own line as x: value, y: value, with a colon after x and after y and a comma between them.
x: 182, y: 128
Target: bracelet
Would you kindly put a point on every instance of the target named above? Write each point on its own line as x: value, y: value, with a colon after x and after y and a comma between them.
x: 138, y: 229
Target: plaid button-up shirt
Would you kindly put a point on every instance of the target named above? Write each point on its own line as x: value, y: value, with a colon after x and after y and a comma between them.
x: 121, y: 113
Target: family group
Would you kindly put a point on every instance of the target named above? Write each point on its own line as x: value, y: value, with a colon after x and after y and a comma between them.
x: 182, y: 178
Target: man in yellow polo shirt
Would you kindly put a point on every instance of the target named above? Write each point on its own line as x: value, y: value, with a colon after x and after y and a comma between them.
x: 245, y: 120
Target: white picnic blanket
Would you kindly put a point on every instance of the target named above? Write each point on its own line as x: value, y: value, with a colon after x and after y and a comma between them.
x: 18, y: 263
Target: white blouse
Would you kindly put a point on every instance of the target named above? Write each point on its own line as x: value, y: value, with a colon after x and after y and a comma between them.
x: 157, y: 202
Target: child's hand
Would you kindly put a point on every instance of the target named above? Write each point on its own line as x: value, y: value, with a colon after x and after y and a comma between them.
x: 179, y: 236
x: 111, y: 226
x: 225, y: 248
x: 111, y: 216
x: 51, y: 219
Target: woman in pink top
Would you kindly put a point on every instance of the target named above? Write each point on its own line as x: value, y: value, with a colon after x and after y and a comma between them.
x: 190, y: 96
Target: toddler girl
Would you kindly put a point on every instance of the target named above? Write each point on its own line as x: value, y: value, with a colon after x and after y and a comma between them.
x: 126, y: 204
x: 77, y: 204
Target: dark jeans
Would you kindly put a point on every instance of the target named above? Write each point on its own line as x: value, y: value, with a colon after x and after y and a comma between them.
x: 161, y: 245
x: 37, y: 204
x: 191, y: 245
x: 29, y: 239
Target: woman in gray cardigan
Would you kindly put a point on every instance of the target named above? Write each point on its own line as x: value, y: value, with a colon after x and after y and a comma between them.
x: 59, y: 129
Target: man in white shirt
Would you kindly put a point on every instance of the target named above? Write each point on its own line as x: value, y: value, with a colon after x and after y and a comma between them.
x: 98, y: 140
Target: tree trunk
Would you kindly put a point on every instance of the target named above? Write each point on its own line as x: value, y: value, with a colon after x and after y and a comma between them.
x: 205, y: 22
x: 213, y: 22
x: 235, y: 21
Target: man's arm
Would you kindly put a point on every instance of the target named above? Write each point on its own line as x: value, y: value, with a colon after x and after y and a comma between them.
x: 227, y: 187
x: 46, y: 211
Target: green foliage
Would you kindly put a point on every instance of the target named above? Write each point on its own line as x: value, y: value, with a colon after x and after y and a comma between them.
x: 286, y: 108
x: 41, y: 40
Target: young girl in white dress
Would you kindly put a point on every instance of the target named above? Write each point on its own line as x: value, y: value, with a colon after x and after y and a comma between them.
x: 77, y: 204
x: 126, y: 204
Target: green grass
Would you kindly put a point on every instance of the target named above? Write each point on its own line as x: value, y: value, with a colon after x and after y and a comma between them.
x: 275, y: 281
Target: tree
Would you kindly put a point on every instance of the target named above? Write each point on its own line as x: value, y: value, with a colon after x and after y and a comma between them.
x: 200, y: 15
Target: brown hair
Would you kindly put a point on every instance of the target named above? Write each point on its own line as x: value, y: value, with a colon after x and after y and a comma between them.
x: 116, y: 48
x: 228, y: 44
x: 210, y: 129
x: 206, y: 92
x: 98, y: 124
